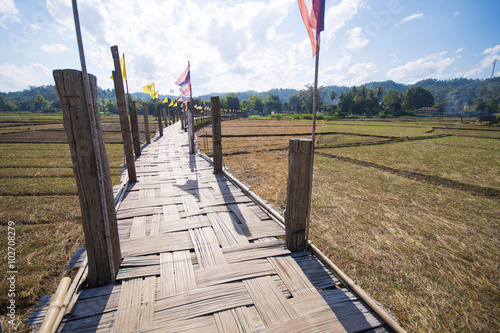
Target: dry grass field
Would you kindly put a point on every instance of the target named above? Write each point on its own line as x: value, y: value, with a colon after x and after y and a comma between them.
x: 38, y: 193
x: 408, y: 209
x: 411, y: 217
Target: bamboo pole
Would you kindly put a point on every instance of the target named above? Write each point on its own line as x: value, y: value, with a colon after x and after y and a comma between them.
x: 55, y: 306
x: 71, y: 295
x: 313, y: 136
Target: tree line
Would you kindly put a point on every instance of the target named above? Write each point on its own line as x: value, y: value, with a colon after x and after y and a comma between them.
x: 385, y: 99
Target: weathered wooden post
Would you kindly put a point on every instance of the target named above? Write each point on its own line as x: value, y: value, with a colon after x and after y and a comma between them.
x: 158, y: 116
x: 216, y: 134
x: 297, y: 193
x: 146, y: 122
x: 135, y: 129
x: 190, y: 119
x: 122, y: 111
x: 95, y: 191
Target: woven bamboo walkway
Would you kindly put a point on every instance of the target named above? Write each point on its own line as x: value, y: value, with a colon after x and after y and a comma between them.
x: 199, y: 255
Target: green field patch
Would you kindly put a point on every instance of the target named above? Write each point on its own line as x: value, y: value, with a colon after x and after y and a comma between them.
x: 386, y: 129
x: 39, y: 209
x: 340, y: 139
x: 35, y: 137
x: 420, y: 249
x: 483, y: 133
x: 35, y: 172
x: 37, y: 162
x: 34, y: 146
x: 445, y: 157
x: 36, y: 127
x: 38, y: 186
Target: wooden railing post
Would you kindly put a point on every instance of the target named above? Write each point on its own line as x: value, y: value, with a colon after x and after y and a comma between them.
x: 297, y: 194
x: 146, y: 122
x: 97, y: 206
x: 122, y: 110
x: 158, y: 116
x: 216, y: 135
x: 135, y: 129
x: 164, y: 112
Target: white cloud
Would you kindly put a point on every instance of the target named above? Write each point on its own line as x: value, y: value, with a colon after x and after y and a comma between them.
x: 347, y: 73
x: 459, y: 50
x: 491, y: 54
x: 228, y: 41
x: 414, y: 16
x: 8, y: 11
x: 337, y: 16
x: 13, y: 78
x: 431, y: 66
x: 54, y: 48
x: 456, y: 13
x: 356, y: 40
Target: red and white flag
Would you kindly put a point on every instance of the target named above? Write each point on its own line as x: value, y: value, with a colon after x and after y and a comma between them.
x: 186, y: 90
x: 185, y: 77
x: 313, y: 15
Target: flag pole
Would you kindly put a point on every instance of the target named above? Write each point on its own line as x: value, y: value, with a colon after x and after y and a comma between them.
x: 126, y: 83
x: 313, y: 135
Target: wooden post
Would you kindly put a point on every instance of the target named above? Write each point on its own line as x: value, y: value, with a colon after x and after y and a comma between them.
x: 146, y: 122
x: 216, y: 134
x: 190, y: 119
x: 135, y: 129
x: 165, y: 120
x: 158, y: 116
x: 97, y: 207
x: 297, y: 194
x: 122, y: 111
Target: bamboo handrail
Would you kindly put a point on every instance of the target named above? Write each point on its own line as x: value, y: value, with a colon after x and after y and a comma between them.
x: 55, y: 306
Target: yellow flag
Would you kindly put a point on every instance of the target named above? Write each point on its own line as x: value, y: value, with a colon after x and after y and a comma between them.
x: 165, y: 100
x: 149, y: 89
x: 155, y: 95
x: 122, y: 66
x: 171, y: 103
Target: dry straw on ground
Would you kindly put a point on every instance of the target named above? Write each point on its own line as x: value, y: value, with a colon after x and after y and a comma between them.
x: 430, y: 254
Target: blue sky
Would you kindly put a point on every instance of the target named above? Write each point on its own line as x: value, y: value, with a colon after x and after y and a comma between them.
x: 249, y: 45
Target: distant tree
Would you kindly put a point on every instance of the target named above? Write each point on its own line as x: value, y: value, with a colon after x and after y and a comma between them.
x: 380, y: 92
x: 294, y: 102
x: 416, y: 98
x: 272, y: 103
x: 6, y: 105
x: 110, y: 106
x: 492, y: 106
x: 393, y: 100
x: 233, y: 102
x: 332, y: 95
x: 345, y: 101
x: 39, y: 102
x: 255, y: 103
x: 306, y: 98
